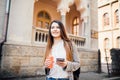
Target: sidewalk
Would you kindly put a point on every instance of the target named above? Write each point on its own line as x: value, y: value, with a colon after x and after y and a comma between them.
x: 97, y: 76
x: 83, y: 76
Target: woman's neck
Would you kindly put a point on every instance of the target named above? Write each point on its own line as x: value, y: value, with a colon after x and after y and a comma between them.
x: 56, y: 40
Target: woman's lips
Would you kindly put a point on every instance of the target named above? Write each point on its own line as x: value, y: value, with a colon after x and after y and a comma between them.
x: 55, y: 32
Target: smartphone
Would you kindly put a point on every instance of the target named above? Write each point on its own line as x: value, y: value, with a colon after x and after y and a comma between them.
x: 60, y: 59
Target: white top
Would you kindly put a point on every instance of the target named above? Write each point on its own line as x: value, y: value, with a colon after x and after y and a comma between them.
x: 58, y: 51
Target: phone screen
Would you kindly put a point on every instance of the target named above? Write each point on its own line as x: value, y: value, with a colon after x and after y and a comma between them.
x: 60, y: 59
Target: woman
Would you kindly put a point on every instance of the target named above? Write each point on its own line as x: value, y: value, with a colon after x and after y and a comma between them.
x: 64, y: 55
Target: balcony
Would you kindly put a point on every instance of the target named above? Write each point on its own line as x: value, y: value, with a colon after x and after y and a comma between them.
x: 40, y: 37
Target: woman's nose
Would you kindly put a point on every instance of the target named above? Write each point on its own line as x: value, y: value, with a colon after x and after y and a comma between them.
x: 55, y: 28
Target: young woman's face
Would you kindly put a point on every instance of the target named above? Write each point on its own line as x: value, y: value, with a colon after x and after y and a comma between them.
x: 55, y: 30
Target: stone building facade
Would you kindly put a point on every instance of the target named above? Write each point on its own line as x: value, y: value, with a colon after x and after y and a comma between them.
x: 109, y: 28
x: 27, y: 31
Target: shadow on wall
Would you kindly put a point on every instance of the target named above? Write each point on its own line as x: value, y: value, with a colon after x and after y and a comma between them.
x: 6, y: 74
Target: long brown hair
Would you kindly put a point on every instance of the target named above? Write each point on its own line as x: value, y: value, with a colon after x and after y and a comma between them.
x: 67, y: 42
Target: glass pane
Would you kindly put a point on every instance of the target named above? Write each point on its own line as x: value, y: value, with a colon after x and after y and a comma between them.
x: 76, y: 26
x: 75, y: 30
x: 40, y: 14
x: 43, y: 20
x: 118, y: 42
x: 116, y: 12
x: 117, y: 16
x: 74, y: 21
x: 40, y: 23
x: 47, y: 16
x: 47, y: 25
x: 107, y: 44
x: 77, y: 20
x: 106, y: 19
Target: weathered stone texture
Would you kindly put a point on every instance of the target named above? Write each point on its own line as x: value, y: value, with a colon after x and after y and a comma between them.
x: 88, y: 60
x: 22, y: 60
x: 28, y: 60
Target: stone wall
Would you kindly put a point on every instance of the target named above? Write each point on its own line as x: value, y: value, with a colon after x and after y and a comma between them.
x: 22, y: 59
x: 88, y: 60
x: 28, y: 60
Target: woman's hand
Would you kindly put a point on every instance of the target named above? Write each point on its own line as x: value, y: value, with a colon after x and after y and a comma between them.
x: 49, y: 62
x: 61, y: 63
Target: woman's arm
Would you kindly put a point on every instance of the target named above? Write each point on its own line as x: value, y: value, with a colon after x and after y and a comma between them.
x: 72, y: 66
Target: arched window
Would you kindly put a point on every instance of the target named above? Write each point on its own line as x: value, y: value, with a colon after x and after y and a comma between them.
x: 118, y: 42
x: 106, y: 19
x: 106, y: 44
x: 75, y: 28
x: 116, y: 16
x: 43, y: 20
x: 107, y: 50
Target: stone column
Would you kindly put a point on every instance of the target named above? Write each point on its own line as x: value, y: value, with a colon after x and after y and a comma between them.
x: 63, y: 8
x: 82, y: 25
x: 63, y: 16
x: 85, y: 16
x: 81, y: 8
x: 20, y: 22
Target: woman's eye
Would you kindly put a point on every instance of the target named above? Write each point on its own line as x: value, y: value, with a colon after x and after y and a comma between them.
x: 52, y: 27
x: 58, y: 27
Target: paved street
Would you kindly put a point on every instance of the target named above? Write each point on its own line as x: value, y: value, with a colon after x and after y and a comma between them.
x: 83, y: 76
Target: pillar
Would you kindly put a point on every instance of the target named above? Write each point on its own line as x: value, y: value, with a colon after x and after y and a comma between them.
x: 63, y: 8
x: 20, y: 22
x: 85, y: 16
x: 63, y: 16
x: 80, y: 5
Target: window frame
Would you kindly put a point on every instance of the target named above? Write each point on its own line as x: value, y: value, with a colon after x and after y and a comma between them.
x: 42, y: 20
x: 116, y: 17
x: 75, y: 26
x: 106, y: 19
x: 118, y: 42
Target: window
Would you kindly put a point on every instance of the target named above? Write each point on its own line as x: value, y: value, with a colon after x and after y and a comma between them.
x: 43, y: 20
x: 118, y: 42
x: 106, y: 44
x: 107, y: 49
x: 106, y: 19
x: 116, y: 16
x: 75, y: 28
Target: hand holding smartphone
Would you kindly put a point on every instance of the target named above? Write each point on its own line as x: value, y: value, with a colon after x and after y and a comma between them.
x: 60, y: 59
x: 61, y: 62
